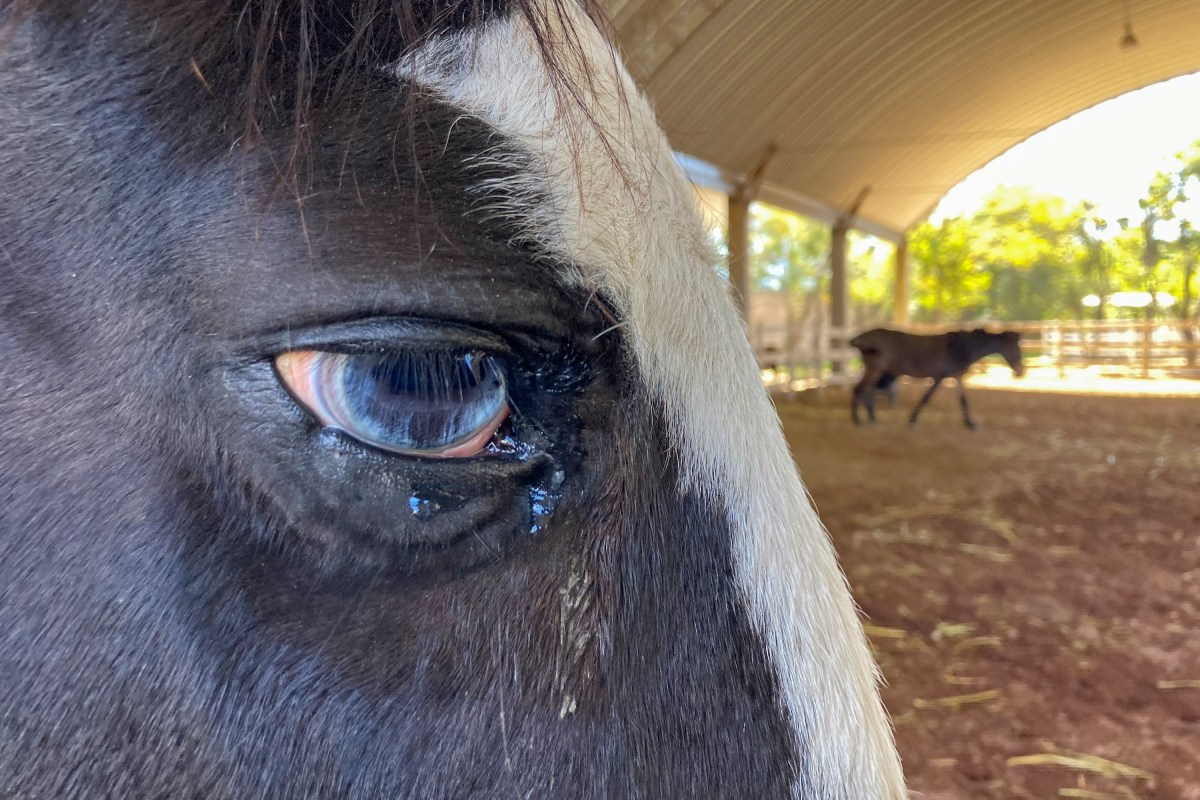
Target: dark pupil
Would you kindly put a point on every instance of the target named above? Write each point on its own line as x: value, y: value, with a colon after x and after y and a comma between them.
x: 422, y: 400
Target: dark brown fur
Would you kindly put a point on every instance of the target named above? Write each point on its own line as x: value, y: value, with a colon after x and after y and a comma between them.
x: 887, y: 354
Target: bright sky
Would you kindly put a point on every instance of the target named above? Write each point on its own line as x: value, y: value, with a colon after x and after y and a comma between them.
x: 1106, y: 154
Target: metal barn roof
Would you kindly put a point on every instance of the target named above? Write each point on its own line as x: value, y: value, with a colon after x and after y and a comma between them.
x: 906, y: 97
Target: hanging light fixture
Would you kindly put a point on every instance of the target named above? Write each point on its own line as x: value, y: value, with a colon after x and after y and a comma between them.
x: 1128, y: 40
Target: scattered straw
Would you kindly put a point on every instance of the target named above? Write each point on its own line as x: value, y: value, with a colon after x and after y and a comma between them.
x: 1187, y: 684
x: 957, y: 701
x: 950, y: 630
x: 1096, y: 764
x: 951, y: 678
x: 1087, y: 794
x: 984, y: 551
x: 1000, y: 525
x: 978, y: 641
x: 876, y: 632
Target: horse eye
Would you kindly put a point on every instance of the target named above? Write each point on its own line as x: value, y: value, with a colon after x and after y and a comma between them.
x: 438, y: 404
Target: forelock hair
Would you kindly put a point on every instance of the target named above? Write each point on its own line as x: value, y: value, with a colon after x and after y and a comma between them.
x: 274, y: 61
x: 305, y: 50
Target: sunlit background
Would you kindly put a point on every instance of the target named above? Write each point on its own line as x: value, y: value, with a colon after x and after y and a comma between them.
x: 1083, y: 237
x: 1107, y: 155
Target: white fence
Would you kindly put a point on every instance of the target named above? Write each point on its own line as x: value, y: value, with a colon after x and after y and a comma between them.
x: 803, y: 356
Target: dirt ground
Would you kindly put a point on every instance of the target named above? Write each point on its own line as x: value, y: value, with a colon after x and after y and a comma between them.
x: 1032, y: 588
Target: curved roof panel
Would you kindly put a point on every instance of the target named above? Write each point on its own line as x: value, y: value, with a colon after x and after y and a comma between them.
x: 907, y: 97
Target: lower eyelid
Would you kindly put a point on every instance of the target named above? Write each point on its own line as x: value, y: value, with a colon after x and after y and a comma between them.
x: 479, y: 441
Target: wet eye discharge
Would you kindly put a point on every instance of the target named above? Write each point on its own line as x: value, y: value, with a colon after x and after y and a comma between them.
x: 431, y: 403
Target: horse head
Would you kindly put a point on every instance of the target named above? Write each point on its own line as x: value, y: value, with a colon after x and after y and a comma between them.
x: 379, y: 426
x: 1010, y: 351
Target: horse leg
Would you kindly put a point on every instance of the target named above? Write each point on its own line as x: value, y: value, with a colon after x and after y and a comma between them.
x: 856, y: 398
x: 912, y: 420
x: 962, y: 400
x: 864, y: 393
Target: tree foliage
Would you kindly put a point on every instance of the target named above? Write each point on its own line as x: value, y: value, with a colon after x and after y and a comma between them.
x: 788, y: 252
x: 1022, y: 255
x: 1025, y: 255
x: 948, y: 282
x: 1171, y: 211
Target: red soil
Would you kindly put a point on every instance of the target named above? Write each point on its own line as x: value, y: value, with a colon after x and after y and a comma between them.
x: 1033, y: 588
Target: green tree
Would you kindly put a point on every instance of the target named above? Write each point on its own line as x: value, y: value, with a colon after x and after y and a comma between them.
x: 788, y: 252
x: 1172, y: 199
x: 1096, y: 264
x: 1033, y: 246
x: 871, y: 262
x: 947, y: 283
x: 1171, y: 209
x: 1022, y: 255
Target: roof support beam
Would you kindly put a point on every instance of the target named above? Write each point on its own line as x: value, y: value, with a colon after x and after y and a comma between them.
x: 710, y: 176
x: 839, y: 297
x: 740, y: 198
x: 739, y: 251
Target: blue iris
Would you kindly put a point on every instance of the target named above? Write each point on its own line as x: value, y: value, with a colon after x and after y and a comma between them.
x: 420, y: 401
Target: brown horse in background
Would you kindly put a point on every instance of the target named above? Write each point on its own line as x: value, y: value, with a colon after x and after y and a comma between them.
x: 887, y: 354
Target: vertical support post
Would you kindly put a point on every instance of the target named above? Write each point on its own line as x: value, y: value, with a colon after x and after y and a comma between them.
x: 739, y: 250
x: 1147, y: 342
x: 839, y: 297
x: 1189, y: 332
x: 900, y: 292
x: 1060, y: 354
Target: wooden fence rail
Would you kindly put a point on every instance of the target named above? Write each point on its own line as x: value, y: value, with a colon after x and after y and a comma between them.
x: 1142, y: 345
x: 1133, y: 347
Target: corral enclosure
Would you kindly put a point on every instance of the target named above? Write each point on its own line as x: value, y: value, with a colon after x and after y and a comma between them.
x: 1032, y: 590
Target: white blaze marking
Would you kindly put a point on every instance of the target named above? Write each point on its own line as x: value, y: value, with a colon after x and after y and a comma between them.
x: 621, y: 210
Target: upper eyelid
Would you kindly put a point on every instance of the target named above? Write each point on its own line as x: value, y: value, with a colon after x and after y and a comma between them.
x: 377, y: 334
